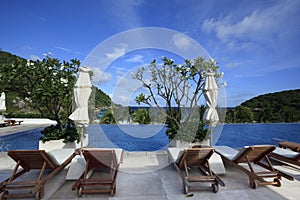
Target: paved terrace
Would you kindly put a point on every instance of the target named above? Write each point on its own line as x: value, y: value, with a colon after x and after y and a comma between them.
x: 147, y: 176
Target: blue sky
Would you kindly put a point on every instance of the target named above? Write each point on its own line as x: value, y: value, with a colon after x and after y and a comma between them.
x: 255, y: 43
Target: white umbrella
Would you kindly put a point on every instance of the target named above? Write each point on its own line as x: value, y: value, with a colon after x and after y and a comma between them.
x: 82, y: 92
x: 2, y: 103
x: 210, y: 91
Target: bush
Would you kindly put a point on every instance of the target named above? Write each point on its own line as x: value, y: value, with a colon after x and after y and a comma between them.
x: 172, y: 128
x: 201, y: 133
x: 22, y: 115
x: 53, y: 132
x: 186, y: 127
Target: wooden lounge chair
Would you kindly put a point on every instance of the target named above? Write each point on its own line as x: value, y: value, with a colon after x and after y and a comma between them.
x: 101, y: 171
x: 254, y: 155
x: 3, y: 124
x: 286, y: 155
x: 13, y: 122
x: 48, y: 164
x: 188, y: 159
x: 290, y: 145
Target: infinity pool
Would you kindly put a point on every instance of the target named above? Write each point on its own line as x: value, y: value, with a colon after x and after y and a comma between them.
x: 152, y: 137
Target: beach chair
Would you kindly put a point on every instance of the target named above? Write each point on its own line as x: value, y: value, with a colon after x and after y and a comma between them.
x: 185, y: 162
x: 257, y: 155
x: 101, y: 171
x: 3, y: 124
x: 286, y: 155
x: 290, y: 145
x: 12, y: 122
x: 47, y: 164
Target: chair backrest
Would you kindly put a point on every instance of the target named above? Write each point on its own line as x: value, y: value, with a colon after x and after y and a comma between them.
x: 100, y: 158
x: 32, y: 159
x: 195, y: 157
x: 253, y: 153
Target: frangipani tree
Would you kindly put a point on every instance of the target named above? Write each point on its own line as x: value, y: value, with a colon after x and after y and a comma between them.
x: 47, y: 85
x: 176, y: 89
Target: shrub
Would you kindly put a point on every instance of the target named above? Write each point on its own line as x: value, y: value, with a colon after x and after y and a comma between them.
x: 53, y: 132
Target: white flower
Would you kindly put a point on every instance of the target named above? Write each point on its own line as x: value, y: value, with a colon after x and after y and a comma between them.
x: 54, y: 73
x: 225, y: 83
x: 212, y: 60
x: 188, y: 69
x: 62, y: 80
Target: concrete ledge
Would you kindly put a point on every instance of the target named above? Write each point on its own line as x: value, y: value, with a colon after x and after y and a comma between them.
x: 35, y: 120
x: 59, y: 144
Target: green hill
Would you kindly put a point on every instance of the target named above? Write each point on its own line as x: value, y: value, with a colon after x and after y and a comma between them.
x: 273, y: 107
x: 15, y: 104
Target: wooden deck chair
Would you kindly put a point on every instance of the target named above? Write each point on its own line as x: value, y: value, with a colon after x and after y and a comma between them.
x: 186, y: 159
x: 101, y: 171
x: 286, y: 155
x: 48, y: 164
x: 254, y: 155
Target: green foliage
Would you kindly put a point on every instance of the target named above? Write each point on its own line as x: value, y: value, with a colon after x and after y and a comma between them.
x: 108, y: 118
x: 47, y: 85
x: 54, y: 132
x: 172, y: 128
x: 141, y: 116
x: 244, y: 114
x: 273, y: 107
x: 23, y: 115
x: 18, y: 77
x: 176, y: 85
x: 101, y: 99
x: 71, y: 133
x: 201, y: 132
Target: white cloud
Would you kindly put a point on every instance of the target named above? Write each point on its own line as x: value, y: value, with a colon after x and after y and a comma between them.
x: 120, y: 71
x: 100, y: 77
x: 136, y: 59
x: 118, y: 52
x: 126, y: 12
x: 122, y: 81
x: 122, y: 99
x: 27, y: 48
x: 181, y: 41
x: 34, y: 57
x: 64, y: 49
x: 255, y: 26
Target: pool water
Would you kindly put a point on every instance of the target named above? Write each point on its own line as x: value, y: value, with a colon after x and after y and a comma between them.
x: 152, y: 137
x: 21, y: 141
x: 128, y: 137
x: 240, y: 135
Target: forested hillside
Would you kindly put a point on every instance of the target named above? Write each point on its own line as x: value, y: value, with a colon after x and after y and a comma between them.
x: 273, y: 107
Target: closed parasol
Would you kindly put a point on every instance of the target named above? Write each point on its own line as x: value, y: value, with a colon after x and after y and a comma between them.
x: 82, y: 92
x: 210, y: 92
